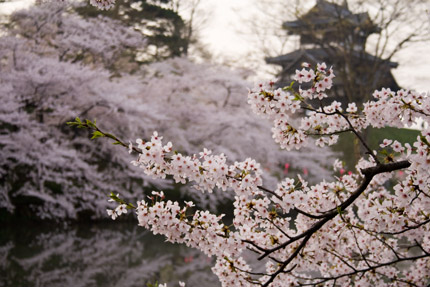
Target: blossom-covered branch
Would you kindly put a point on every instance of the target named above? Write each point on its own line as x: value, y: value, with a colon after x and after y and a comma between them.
x: 299, y: 228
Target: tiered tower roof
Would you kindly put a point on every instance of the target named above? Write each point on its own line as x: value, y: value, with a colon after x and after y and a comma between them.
x: 325, y: 20
x: 331, y: 33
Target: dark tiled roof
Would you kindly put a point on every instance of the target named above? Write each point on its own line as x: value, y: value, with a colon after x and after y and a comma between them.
x: 317, y: 55
x: 326, y: 13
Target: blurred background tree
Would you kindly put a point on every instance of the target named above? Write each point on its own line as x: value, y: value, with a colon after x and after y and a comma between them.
x: 167, y: 34
x: 57, y: 64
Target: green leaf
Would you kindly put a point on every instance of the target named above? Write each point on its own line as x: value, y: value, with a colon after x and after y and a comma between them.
x: 97, y: 134
x: 77, y: 123
x: 290, y: 87
x: 90, y: 124
x: 297, y: 97
x: 424, y: 140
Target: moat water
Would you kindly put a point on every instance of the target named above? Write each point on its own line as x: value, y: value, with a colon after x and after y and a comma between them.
x: 102, y: 254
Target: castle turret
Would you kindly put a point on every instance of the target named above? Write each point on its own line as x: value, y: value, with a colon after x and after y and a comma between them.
x: 331, y: 33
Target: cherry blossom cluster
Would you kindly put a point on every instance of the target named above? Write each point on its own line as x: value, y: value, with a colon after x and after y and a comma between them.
x: 322, y: 79
x: 397, y: 108
x: 201, y: 230
x: 103, y: 4
x: 346, y: 231
x: 278, y: 104
x: 206, y: 170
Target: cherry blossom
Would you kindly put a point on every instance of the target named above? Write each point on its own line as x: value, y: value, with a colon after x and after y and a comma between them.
x: 348, y: 228
x: 103, y: 4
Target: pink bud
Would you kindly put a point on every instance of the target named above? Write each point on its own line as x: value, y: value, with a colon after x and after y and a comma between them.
x: 287, y: 165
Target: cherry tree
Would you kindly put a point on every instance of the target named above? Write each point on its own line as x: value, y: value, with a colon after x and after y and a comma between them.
x: 55, y: 29
x: 367, y: 228
x: 353, y: 230
x: 51, y: 72
x: 356, y: 229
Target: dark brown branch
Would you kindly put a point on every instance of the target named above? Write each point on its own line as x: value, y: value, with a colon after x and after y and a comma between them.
x: 351, y: 129
x: 358, y: 271
x: 359, y: 248
x: 368, y: 173
x: 360, y: 138
x: 341, y: 259
x: 286, y: 262
x: 329, y: 134
x: 308, y: 214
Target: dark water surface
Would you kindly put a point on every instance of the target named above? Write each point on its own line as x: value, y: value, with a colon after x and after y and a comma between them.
x: 102, y: 254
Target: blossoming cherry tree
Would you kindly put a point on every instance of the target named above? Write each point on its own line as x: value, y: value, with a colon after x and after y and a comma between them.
x: 353, y: 230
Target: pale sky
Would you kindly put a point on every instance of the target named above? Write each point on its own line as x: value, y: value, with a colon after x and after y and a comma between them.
x: 222, y: 36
